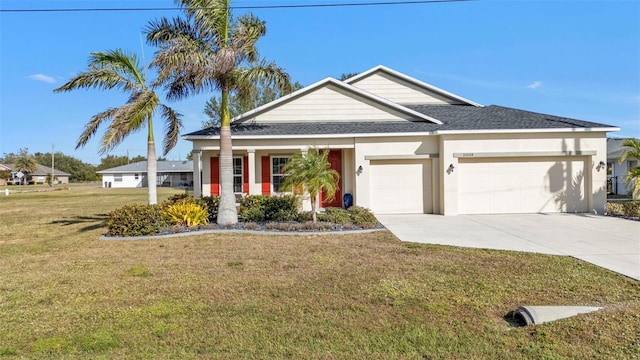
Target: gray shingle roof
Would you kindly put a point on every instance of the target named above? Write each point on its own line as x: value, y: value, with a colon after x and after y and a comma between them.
x: 615, y: 148
x: 41, y: 170
x: 454, y: 117
x: 141, y: 167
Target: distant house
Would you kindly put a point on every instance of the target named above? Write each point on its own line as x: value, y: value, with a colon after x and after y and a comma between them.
x: 616, y: 170
x: 170, y: 174
x: 39, y: 176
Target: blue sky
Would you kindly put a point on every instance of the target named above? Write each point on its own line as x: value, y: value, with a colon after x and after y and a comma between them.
x: 579, y: 59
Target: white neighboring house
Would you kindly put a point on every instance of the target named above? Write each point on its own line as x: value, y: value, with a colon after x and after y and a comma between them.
x: 170, y: 174
x: 616, y: 171
x: 404, y: 146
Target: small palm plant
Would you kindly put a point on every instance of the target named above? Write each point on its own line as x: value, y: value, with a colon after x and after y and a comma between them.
x: 312, y: 172
x: 632, y: 178
x: 26, y: 164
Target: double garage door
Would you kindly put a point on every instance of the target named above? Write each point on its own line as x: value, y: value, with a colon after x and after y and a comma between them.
x: 521, y: 185
x: 485, y: 185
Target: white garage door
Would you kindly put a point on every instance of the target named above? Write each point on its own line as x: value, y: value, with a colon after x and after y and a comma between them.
x: 401, y: 186
x: 494, y: 186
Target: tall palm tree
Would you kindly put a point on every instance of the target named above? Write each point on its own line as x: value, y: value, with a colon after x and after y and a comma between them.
x: 211, y: 50
x: 117, y: 69
x: 632, y: 178
x: 312, y: 172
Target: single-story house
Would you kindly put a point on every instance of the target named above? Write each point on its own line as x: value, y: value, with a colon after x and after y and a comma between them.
x: 403, y: 146
x: 40, y: 176
x: 170, y: 174
x: 616, y: 170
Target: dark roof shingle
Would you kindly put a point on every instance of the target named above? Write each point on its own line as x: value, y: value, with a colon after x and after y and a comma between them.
x: 453, y: 117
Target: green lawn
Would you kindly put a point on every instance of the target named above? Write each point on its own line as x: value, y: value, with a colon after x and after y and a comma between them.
x: 66, y: 294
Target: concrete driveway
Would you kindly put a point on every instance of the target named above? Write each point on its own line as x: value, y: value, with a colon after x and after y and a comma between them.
x: 608, y: 242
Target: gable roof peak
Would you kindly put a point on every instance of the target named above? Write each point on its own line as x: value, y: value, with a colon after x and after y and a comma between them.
x: 411, y: 80
x: 341, y: 85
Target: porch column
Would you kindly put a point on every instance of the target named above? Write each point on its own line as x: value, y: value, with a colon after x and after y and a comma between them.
x: 197, y: 180
x: 253, y: 187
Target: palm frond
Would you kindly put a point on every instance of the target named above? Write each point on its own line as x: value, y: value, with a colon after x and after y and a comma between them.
x: 632, y: 150
x: 108, y: 70
x: 173, y: 124
x: 93, y: 124
x: 245, y: 35
x: 266, y: 73
x: 215, y: 15
x: 130, y: 119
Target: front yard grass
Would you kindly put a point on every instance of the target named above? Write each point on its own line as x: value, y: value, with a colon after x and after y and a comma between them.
x: 66, y: 294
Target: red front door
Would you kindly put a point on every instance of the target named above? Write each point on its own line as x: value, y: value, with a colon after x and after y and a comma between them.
x: 335, y: 159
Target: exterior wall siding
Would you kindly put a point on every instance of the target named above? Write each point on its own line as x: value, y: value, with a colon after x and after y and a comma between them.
x: 330, y: 104
x: 399, y: 91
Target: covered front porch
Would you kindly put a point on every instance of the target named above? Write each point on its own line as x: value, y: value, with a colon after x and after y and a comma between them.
x: 258, y: 171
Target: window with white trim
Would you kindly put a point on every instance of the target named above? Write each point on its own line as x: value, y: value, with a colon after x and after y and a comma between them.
x: 277, y: 172
x: 117, y: 178
x: 136, y: 176
x: 237, y: 175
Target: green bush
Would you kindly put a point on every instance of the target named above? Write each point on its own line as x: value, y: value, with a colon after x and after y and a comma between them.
x: 335, y: 215
x: 212, y: 203
x: 304, y: 216
x: 251, y: 209
x: 362, y: 217
x: 136, y: 220
x: 188, y: 213
x: 260, y: 208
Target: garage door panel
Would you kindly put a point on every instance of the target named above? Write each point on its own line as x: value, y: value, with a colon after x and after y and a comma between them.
x: 491, y: 186
x: 400, y: 186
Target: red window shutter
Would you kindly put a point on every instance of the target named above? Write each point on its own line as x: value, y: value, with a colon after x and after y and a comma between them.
x: 215, y: 176
x: 266, y: 175
x: 245, y: 176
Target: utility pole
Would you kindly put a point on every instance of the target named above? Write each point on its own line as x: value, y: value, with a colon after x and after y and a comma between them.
x: 52, y: 164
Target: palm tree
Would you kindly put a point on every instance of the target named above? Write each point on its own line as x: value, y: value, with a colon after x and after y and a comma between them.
x: 212, y: 50
x: 117, y: 69
x: 632, y: 178
x: 25, y: 164
x: 312, y: 172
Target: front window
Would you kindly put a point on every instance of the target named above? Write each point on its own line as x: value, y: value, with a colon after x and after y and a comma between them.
x: 117, y: 178
x: 277, y: 172
x: 237, y: 175
x: 136, y: 176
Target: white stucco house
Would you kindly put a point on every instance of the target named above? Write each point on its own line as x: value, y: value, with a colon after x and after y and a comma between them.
x: 403, y: 146
x: 170, y: 173
x: 617, y: 170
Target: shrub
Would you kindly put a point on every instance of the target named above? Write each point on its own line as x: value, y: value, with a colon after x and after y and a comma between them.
x: 631, y: 208
x: 615, y: 208
x: 362, y: 217
x: 137, y: 220
x: 304, y: 216
x: 280, y: 208
x: 187, y: 213
x: 260, y: 208
x: 212, y: 203
x: 335, y: 215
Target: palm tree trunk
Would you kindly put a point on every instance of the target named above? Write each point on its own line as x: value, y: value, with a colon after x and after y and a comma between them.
x: 152, y: 172
x: 227, y: 213
x: 313, y: 209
